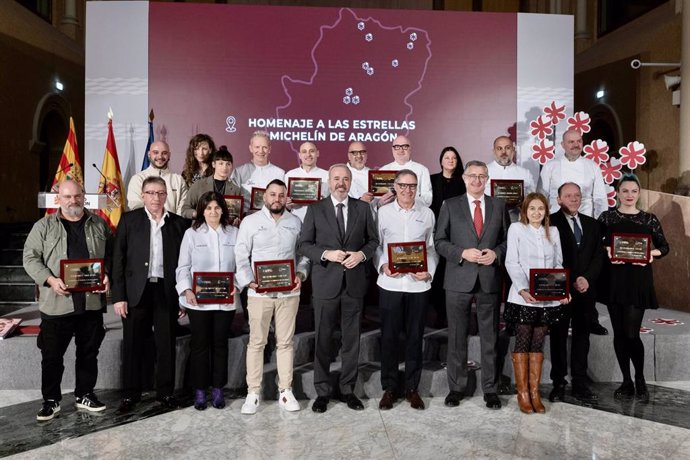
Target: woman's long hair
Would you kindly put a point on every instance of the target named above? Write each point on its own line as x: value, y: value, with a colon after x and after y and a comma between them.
x: 191, y: 164
x: 546, y: 222
x: 206, y: 198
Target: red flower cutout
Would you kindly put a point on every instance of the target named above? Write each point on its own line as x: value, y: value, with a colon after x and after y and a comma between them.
x: 596, y: 151
x: 611, y: 170
x: 554, y: 114
x: 541, y: 128
x: 611, y: 196
x: 543, y: 151
x: 579, y: 122
x: 632, y: 155
x: 646, y: 330
x: 667, y: 322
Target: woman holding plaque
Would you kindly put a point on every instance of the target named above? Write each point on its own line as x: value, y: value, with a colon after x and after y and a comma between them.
x: 631, y: 284
x: 446, y: 184
x: 532, y: 244
x: 198, y: 158
x: 209, y: 246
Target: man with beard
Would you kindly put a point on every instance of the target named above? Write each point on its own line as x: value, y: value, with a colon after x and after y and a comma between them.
x: 159, y: 156
x: 503, y: 167
x: 308, y: 154
x: 270, y: 234
x: 70, y: 233
x: 338, y: 235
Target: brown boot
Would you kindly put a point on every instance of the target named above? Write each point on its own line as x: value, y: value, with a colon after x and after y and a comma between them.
x: 520, y: 366
x: 535, y: 362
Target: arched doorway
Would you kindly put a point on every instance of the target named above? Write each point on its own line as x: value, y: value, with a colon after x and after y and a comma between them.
x: 50, y: 129
x: 605, y: 125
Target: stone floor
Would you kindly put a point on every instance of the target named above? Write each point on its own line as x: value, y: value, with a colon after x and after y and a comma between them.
x: 658, y: 429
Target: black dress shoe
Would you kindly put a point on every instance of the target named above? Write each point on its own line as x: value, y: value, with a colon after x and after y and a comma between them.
x: 127, y: 404
x: 387, y: 400
x: 583, y: 393
x: 169, y: 402
x: 598, y: 329
x: 412, y: 396
x: 453, y: 399
x: 641, y: 391
x: 352, y: 401
x: 558, y: 393
x: 626, y: 391
x: 492, y: 401
x: 320, y: 404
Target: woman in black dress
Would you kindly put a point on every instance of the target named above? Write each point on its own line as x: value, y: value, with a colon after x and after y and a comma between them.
x: 446, y: 184
x: 631, y: 285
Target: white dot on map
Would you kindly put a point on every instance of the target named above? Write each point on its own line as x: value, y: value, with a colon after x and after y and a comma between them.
x: 369, y: 37
x: 410, y: 45
x: 360, y: 25
x: 355, y: 100
x: 365, y: 65
x: 395, y: 63
x: 348, y: 92
x: 413, y: 36
x: 370, y: 71
x: 346, y: 100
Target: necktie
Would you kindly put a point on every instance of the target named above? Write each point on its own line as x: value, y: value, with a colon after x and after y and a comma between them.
x: 577, y: 230
x: 478, y: 221
x: 340, y: 218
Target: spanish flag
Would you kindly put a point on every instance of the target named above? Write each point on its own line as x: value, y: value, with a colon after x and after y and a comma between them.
x: 111, y: 182
x: 69, y: 167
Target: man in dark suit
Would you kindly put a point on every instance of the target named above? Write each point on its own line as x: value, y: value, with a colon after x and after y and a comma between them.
x: 583, y: 255
x: 338, y: 236
x: 147, y: 246
x: 471, y: 235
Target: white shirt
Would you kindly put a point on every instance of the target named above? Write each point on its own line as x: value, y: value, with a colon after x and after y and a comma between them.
x: 156, y: 246
x: 300, y: 210
x: 174, y: 184
x: 263, y: 238
x: 528, y: 248
x: 424, y: 193
x: 482, y: 205
x: 512, y: 172
x: 250, y: 176
x: 398, y: 225
x: 583, y: 172
x: 206, y: 250
x: 360, y: 181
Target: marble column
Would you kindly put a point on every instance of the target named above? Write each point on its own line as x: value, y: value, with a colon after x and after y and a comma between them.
x: 69, y: 24
x: 684, y: 126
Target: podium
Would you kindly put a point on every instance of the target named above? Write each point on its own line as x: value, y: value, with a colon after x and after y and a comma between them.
x: 91, y: 200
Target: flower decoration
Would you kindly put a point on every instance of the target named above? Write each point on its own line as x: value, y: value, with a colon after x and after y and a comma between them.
x: 554, y: 114
x: 667, y: 322
x: 646, y: 330
x: 596, y: 151
x: 632, y: 155
x: 611, y: 170
x: 611, y: 196
x: 541, y: 128
x: 579, y: 122
x: 543, y: 151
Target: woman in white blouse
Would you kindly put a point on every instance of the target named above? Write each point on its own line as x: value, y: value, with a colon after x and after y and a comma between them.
x: 531, y: 244
x: 209, y: 246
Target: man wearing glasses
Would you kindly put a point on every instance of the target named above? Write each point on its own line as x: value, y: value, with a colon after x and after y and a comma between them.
x: 176, y: 187
x: 471, y: 235
x: 402, y: 152
x: 403, y: 296
x: 147, y: 246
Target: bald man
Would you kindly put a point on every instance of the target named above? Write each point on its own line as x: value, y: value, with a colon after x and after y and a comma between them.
x: 308, y: 154
x: 402, y: 156
x: 159, y: 156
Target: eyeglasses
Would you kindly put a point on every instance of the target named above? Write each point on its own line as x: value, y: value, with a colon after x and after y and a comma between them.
x: 358, y: 153
x: 403, y: 147
x: 404, y: 186
x: 480, y: 177
x: 153, y: 194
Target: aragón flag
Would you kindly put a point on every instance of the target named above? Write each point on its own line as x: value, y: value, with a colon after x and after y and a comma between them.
x: 111, y: 183
x: 69, y: 167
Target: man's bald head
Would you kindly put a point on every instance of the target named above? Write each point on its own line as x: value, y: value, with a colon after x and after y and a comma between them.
x: 159, y: 154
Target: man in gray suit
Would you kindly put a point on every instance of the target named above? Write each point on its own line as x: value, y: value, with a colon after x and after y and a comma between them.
x: 338, y: 236
x: 471, y: 235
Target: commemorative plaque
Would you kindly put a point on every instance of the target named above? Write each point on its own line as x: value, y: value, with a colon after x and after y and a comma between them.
x: 257, y: 201
x: 549, y: 283
x: 83, y: 275
x: 274, y: 275
x: 407, y: 257
x: 509, y: 190
x: 304, y: 190
x: 234, y: 203
x: 630, y: 247
x: 213, y: 287
x: 381, y: 182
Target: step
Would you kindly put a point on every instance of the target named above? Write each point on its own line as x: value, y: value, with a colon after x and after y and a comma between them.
x: 18, y: 292
x: 11, y: 257
x: 14, y: 241
x: 14, y: 274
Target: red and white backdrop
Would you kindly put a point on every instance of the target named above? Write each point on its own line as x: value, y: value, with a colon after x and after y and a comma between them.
x: 331, y: 75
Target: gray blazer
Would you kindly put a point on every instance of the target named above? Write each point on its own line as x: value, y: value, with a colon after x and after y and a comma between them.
x: 455, y: 233
x: 200, y: 187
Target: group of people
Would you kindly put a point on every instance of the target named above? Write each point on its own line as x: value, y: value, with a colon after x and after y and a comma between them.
x: 476, y: 246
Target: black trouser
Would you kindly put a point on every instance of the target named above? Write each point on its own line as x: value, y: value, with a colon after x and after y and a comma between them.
x: 578, y: 313
x: 327, y: 313
x: 209, y: 347
x: 152, y: 311
x: 53, y: 340
x: 402, y: 310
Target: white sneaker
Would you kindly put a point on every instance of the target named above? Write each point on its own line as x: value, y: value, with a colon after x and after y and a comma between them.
x: 287, y: 401
x: 251, y: 404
